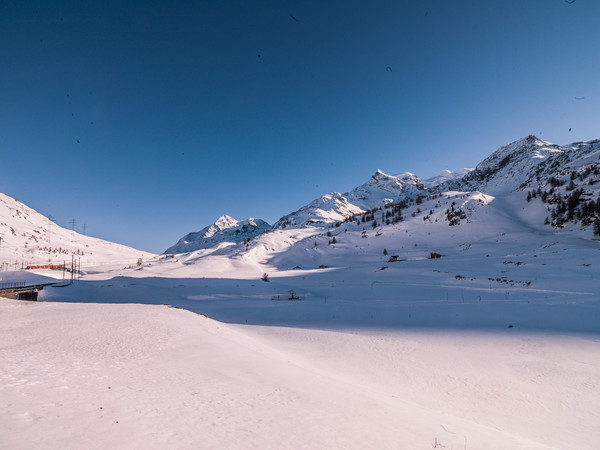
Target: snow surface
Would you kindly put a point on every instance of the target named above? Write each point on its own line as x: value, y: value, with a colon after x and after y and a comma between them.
x: 138, y: 376
x: 493, y: 345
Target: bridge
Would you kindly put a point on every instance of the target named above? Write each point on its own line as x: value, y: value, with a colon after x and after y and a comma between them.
x: 24, y: 291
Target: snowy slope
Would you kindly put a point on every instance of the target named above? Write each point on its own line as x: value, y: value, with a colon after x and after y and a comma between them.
x: 525, y: 162
x: 225, y: 230
x: 444, y: 176
x: 379, y: 190
x: 29, y: 238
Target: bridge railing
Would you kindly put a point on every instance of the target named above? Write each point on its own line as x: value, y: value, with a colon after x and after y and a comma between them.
x: 12, y: 285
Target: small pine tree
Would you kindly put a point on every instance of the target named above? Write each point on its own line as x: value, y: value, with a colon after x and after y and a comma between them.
x: 385, y: 252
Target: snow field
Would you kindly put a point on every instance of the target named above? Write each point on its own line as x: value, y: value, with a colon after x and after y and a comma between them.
x: 139, y: 376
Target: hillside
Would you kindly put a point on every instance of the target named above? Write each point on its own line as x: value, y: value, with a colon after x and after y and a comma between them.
x: 29, y: 238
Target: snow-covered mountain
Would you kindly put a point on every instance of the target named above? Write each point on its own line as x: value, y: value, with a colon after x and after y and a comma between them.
x: 563, y: 183
x: 225, y: 230
x: 445, y: 176
x: 29, y: 238
x: 381, y: 189
x: 526, y: 162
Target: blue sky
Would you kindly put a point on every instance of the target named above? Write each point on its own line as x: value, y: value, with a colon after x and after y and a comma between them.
x: 147, y: 120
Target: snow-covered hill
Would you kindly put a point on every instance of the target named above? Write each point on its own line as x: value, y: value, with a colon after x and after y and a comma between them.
x: 29, y: 238
x: 381, y: 189
x: 225, y: 230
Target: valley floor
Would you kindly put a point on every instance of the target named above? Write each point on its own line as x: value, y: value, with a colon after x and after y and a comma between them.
x: 77, y: 375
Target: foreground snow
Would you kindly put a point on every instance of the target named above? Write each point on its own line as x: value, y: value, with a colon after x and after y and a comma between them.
x: 141, y: 376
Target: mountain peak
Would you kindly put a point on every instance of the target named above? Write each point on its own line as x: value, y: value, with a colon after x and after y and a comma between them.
x: 531, y: 138
x: 509, y: 167
x: 380, y: 177
x: 225, y: 229
x: 379, y: 190
x: 225, y: 221
x: 380, y: 174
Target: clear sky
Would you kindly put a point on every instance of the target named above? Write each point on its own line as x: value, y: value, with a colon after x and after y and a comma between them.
x: 145, y: 120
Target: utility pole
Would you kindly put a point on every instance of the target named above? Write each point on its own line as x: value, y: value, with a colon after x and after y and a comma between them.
x: 85, y: 229
x: 73, y: 223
